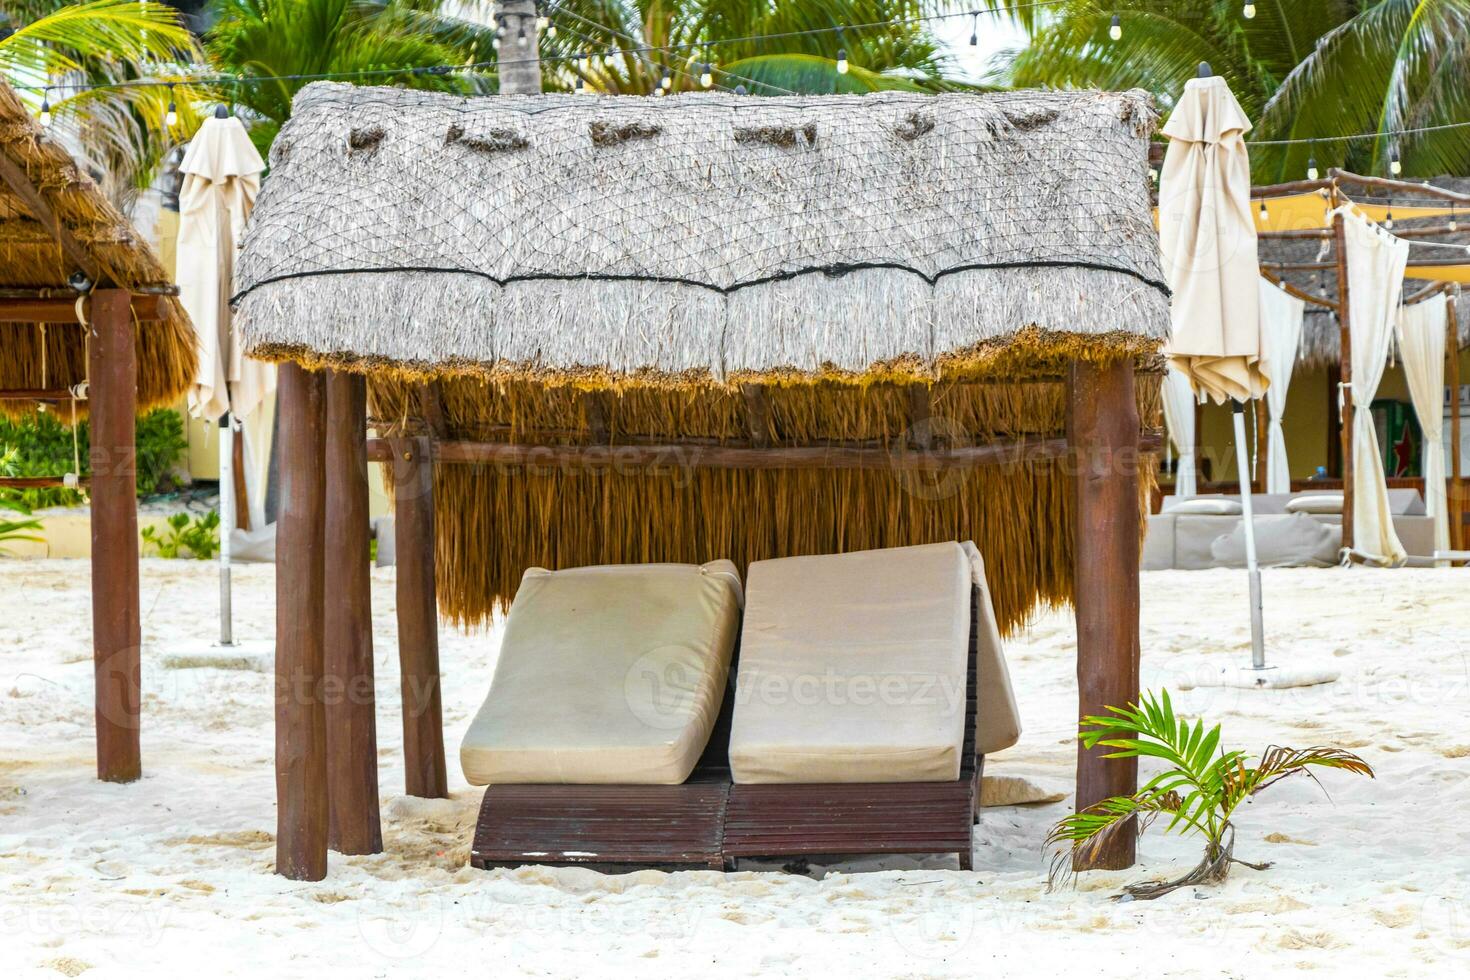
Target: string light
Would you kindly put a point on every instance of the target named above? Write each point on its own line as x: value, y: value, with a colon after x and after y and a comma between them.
x: 1312, y: 172
x: 46, y: 110
x: 1454, y: 225
x: 521, y: 38
x: 706, y: 76
x: 1388, y: 215
x: 974, y: 28
x: 1116, y: 30
x: 667, y: 81
x: 172, y: 118
x: 841, y: 61
x: 1394, y: 166
x: 543, y: 22
x: 1249, y: 11
x: 1265, y: 215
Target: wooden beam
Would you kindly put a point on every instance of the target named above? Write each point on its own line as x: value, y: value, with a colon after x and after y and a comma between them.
x: 1300, y: 294
x: 431, y: 407
x: 14, y: 176
x: 921, y: 418
x: 37, y: 395
x: 354, y: 825
x: 1345, y: 377
x: 36, y: 482
x: 1102, y: 422
x: 418, y: 617
x: 1397, y: 187
x: 116, y: 622
x: 1263, y: 435
x: 62, y: 309
x: 302, y: 814
x: 757, y: 415
x: 594, y: 410
x: 1325, y: 234
x: 705, y: 456
x: 1291, y: 187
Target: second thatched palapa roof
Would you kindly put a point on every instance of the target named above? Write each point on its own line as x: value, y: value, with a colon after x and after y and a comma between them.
x: 707, y: 234
x: 34, y: 263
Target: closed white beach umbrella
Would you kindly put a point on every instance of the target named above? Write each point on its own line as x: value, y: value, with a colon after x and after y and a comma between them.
x: 1208, y: 238
x: 1422, y: 331
x: 221, y: 179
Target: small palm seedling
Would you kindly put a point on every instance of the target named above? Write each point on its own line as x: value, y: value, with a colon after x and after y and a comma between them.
x: 1199, y: 790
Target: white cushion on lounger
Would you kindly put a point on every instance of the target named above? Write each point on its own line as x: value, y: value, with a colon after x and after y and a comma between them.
x: 997, y: 719
x: 852, y: 668
x: 607, y: 674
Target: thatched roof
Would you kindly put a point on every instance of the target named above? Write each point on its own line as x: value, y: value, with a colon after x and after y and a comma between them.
x: 33, y: 262
x: 706, y: 234
x: 1321, y: 336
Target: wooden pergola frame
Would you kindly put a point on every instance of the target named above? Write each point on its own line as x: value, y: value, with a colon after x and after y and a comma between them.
x: 1332, y: 184
x: 326, y: 747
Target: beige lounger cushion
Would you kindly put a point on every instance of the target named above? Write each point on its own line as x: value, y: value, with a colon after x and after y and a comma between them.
x: 607, y: 674
x: 852, y: 668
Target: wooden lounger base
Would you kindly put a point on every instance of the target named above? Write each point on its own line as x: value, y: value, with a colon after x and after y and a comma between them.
x: 644, y: 825
x: 710, y: 823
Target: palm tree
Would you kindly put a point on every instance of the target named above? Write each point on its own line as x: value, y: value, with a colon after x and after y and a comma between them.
x: 120, y: 134
x: 392, y: 39
x: 1303, y: 69
x: 899, y: 52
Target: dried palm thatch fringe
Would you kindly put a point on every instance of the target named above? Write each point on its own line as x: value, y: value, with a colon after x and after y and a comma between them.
x: 30, y: 258
x: 495, y: 521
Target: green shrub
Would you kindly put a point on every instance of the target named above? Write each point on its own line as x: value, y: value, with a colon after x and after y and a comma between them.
x: 186, y: 537
x: 41, y: 445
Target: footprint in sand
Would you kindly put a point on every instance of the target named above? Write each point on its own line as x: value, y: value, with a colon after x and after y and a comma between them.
x: 1297, y: 939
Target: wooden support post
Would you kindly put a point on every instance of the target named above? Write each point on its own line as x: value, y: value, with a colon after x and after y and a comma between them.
x: 1102, y: 423
x: 301, y: 749
x: 1345, y: 377
x: 1263, y: 434
x: 116, y: 631
x: 351, y: 725
x: 418, y: 617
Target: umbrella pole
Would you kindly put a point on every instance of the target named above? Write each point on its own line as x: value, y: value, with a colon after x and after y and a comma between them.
x: 226, y: 523
x: 1258, y: 639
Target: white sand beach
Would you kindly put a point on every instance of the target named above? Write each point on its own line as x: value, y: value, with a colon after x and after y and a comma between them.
x: 171, y: 876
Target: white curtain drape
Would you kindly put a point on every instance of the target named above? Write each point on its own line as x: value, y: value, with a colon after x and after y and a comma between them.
x: 1375, y: 268
x: 1281, y: 334
x: 1179, y: 405
x: 1421, y: 330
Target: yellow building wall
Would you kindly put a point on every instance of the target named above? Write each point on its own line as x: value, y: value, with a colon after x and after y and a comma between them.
x: 1310, y: 409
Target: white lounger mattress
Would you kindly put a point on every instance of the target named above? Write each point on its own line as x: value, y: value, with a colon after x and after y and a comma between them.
x: 607, y: 674
x: 852, y: 668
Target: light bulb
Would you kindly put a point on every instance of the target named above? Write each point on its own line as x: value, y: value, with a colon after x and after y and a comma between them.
x: 841, y: 62
x: 706, y: 77
x: 1116, y: 31
x: 1153, y: 175
x: 495, y: 42
x: 551, y: 31
x: 521, y: 38
x: 172, y: 118
x: 543, y: 22
x: 1265, y: 215
x: 1388, y: 220
x: 45, y: 113
x: 667, y: 81
x: 1312, y: 171
x: 1249, y: 11
x: 584, y: 61
x: 659, y: 90
x: 1394, y: 166
x: 974, y: 29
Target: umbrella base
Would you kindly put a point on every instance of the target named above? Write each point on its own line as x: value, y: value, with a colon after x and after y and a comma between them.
x: 257, y: 656
x: 1266, y: 678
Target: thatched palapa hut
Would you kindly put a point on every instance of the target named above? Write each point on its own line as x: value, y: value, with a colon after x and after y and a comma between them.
x: 88, y: 321
x: 54, y: 221
x: 630, y: 329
